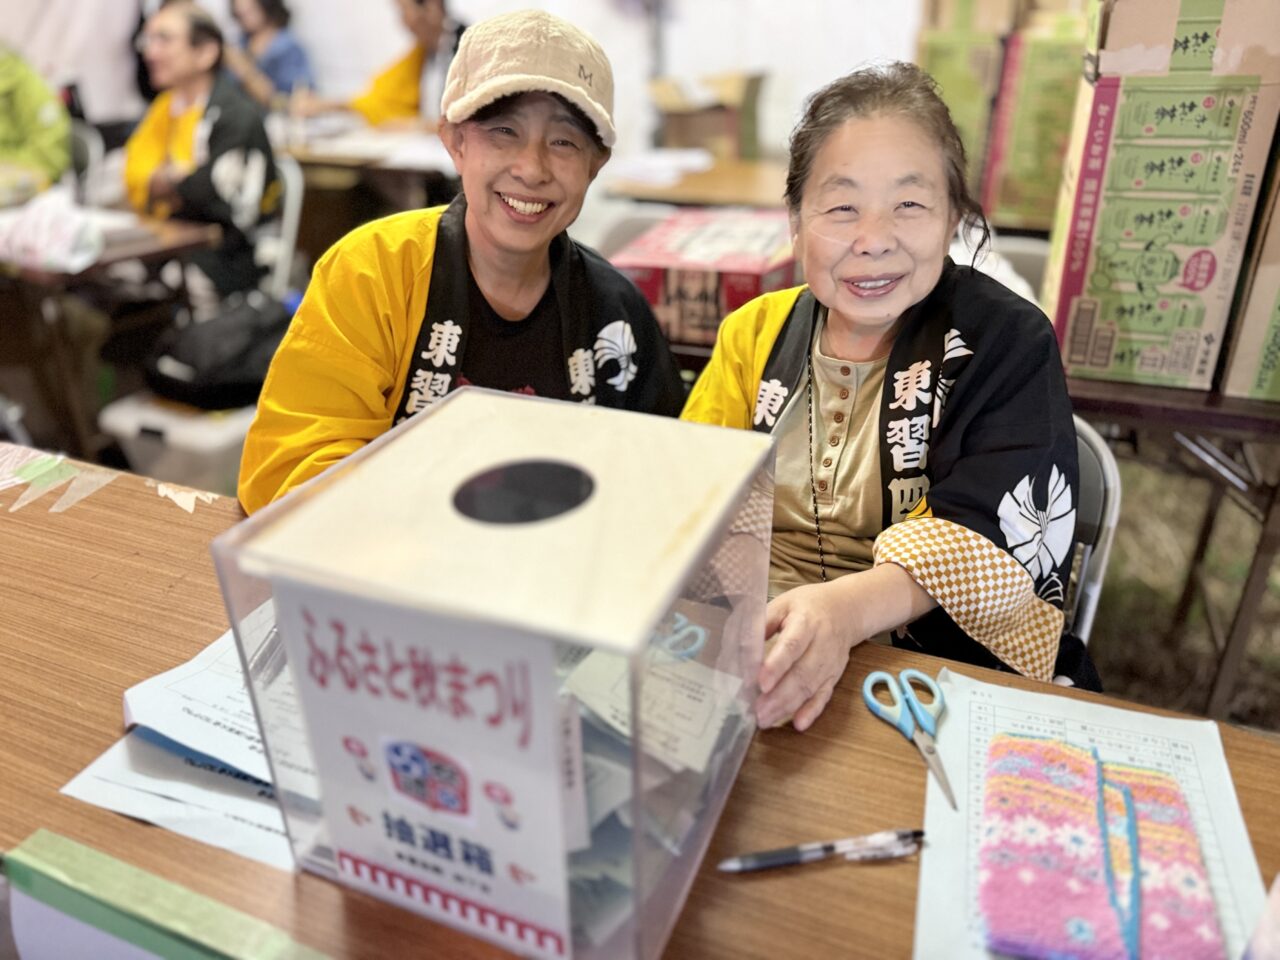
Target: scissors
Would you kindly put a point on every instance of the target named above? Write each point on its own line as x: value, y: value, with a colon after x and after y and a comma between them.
x: 916, y: 721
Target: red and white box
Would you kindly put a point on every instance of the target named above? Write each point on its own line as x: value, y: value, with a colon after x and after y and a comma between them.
x: 699, y: 265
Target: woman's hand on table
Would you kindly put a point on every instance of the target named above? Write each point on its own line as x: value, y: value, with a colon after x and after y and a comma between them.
x: 811, y: 629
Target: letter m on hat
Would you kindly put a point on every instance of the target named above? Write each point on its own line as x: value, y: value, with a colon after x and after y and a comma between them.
x: 583, y: 74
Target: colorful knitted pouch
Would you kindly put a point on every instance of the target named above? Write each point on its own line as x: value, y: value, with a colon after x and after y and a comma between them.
x: 1089, y: 860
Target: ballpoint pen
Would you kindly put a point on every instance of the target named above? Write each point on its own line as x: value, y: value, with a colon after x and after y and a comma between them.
x: 884, y: 845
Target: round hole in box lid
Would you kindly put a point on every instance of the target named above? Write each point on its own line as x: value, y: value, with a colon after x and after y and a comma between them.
x: 523, y: 492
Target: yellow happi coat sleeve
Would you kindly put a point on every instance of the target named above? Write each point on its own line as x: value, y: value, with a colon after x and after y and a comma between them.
x: 336, y: 380
x: 725, y: 393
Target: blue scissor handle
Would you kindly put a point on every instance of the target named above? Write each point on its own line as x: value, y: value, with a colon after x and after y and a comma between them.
x: 926, y: 714
x: 896, y: 714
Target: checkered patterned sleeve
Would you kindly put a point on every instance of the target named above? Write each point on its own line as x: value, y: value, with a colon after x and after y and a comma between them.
x: 985, y: 591
x: 734, y: 569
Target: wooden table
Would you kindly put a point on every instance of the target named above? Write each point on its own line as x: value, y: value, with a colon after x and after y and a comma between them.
x: 728, y: 183
x: 40, y: 289
x: 1202, y: 434
x: 121, y: 586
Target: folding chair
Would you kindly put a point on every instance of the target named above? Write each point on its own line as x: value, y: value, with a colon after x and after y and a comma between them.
x: 1097, y: 513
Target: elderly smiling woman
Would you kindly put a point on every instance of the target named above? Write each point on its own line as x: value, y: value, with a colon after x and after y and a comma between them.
x: 926, y: 456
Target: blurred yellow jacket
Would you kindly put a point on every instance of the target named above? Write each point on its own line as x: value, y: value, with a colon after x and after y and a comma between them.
x: 35, y: 131
x: 394, y: 94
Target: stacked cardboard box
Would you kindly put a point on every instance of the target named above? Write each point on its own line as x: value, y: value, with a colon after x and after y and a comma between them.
x: 961, y: 47
x: 698, y: 265
x: 1032, y: 120
x: 1170, y: 139
x: 1253, y: 366
x: 719, y: 112
x: 1008, y: 71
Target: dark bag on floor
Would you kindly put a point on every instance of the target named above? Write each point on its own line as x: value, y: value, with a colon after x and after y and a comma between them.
x: 222, y: 362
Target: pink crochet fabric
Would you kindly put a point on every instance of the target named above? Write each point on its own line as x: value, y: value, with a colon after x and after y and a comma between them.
x: 1062, y: 833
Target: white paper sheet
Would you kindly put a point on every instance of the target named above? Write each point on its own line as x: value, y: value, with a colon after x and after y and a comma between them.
x: 685, y: 704
x: 203, y: 704
x: 948, y: 923
x: 661, y: 168
x: 186, y: 792
x: 405, y: 150
x: 422, y: 152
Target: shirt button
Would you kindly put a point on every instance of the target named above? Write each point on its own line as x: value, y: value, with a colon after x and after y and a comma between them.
x: 839, y: 418
x: 835, y: 441
x: 822, y: 484
x: 844, y: 394
x: 844, y: 371
x: 826, y: 461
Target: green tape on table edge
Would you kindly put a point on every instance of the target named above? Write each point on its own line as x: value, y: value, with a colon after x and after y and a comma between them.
x: 139, y: 907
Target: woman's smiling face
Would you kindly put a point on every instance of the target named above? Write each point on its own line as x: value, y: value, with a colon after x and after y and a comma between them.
x: 875, y: 221
x: 525, y: 172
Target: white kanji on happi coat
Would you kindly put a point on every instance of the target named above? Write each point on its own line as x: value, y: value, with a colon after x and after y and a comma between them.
x: 911, y: 386
x: 905, y: 494
x: 908, y: 441
x: 769, y: 401
x: 442, y: 348
x: 425, y: 389
x: 582, y: 372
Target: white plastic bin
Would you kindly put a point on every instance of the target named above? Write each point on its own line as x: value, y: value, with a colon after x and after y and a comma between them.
x: 182, y: 444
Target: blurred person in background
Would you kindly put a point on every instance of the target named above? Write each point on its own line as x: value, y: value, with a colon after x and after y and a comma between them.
x: 35, y: 130
x: 407, y: 93
x: 201, y: 152
x: 270, y: 63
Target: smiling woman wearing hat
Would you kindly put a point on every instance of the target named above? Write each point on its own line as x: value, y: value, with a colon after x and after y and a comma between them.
x: 488, y: 291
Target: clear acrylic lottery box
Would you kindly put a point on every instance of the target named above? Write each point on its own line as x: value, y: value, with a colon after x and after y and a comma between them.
x: 504, y: 662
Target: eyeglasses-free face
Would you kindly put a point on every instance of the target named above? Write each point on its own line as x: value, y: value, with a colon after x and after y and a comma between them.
x: 875, y: 221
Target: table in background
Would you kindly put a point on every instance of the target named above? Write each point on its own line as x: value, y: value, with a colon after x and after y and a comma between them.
x: 727, y: 183
x: 1204, y: 434
x: 367, y: 173
x: 39, y: 290
x: 121, y: 586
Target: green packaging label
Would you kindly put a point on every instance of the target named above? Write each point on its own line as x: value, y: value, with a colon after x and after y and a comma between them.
x: 1182, y: 112
x: 1168, y: 168
x: 1131, y: 313
x: 1194, y: 41
x: 1142, y: 270
x: 1109, y: 351
x: 1139, y: 219
x: 1266, y: 385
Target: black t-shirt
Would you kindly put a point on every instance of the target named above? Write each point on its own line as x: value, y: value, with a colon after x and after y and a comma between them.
x: 522, y: 356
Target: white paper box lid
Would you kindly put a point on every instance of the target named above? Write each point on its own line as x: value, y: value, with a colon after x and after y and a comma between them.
x: 601, y: 573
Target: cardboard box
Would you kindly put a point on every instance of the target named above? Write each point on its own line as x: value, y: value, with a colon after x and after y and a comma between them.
x: 1172, y: 128
x: 1032, y: 122
x: 697, y: 266
x: 720, y: 113
x: 983, y: 16
x: 966, y: 66
x: 965, y: 45
x: 1253, y: 365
